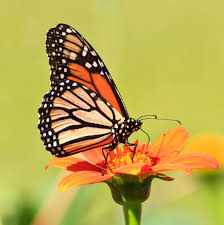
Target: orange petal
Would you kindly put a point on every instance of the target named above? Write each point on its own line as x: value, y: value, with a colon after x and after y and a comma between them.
x: 170, y: 143
x: 72, y: 164
x: 133, y: 169
x: 172, y: 167
x: 209, y: 143
x: 195, y: 160
x: 81, y: 178
x: 94, y: 156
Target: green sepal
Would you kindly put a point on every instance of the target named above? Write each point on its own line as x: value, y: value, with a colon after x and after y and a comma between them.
x: 133, y: 189
x: 163, y: 177
x: 129, y: 188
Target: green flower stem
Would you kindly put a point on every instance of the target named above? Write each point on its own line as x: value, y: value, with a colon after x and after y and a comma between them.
x: 131, y: 191
x: 132, y: 213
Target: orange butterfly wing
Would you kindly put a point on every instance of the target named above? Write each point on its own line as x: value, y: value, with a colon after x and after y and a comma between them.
x: 73, y: 119
x: 71, y: 57
x: 80, y: 111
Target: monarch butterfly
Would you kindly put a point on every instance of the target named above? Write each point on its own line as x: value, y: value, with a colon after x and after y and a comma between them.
x: 84, y: 109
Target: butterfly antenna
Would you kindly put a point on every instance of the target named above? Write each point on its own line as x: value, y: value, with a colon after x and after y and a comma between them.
x: 156, y: 118
x: 153, y: 117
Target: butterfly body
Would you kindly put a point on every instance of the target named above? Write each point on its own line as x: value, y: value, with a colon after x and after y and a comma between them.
x: 124, y: 130
x: 84, y: 109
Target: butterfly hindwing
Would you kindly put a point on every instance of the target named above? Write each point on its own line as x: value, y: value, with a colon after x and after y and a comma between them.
x: 74, y: 118
x: 71, y: 57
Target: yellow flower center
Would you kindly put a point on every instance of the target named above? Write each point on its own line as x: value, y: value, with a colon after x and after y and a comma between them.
x: 117, y: 160
x: 142, y: 158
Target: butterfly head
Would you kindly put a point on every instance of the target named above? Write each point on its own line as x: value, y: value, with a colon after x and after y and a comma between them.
x: 124, y: 130
x: 133, y: 125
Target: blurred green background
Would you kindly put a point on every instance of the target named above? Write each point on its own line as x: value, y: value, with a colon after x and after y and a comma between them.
x: 166, y: 57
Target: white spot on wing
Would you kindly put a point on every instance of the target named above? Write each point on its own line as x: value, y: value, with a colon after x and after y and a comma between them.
x: 86, y: 88
x: 94, y: 64
x: 88, y: 65
x: 68, y: 30
x: 93, y: 53
x: 73, y: 56
x: 101, y: 63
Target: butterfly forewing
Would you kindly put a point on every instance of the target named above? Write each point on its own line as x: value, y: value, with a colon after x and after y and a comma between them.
x: 74, y: 118
x: 71, y: 57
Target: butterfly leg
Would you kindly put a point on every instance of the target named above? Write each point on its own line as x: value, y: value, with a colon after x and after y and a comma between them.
x: 109, y: 149
x: 130, y: 144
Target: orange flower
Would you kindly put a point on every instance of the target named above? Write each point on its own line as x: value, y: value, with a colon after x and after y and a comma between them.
x: 149, y: 160
x: 209, y: 143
